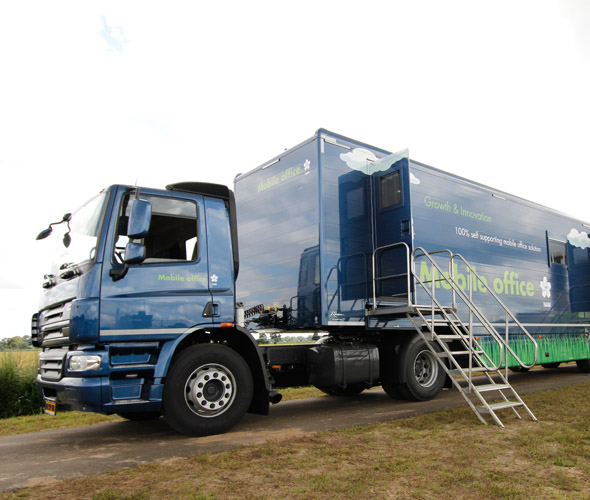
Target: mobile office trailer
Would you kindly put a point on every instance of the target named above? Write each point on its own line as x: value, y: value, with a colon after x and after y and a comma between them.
x: 139, y: 315
x: 330, y: 235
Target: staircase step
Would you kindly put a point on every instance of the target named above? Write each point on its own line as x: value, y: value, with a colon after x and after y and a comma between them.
x: 451, y: 337
x: 457, y: 353
x: 499, y: 406
x: 465, y: 371
x: 492, y: 387
x: 440, y: 322
x: 453, y: 353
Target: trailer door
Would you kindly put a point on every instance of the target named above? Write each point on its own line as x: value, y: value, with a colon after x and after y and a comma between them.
x: 391, y: 225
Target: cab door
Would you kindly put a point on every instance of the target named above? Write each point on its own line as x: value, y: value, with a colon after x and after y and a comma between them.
x: 221, y: 270
x: 168, y: 293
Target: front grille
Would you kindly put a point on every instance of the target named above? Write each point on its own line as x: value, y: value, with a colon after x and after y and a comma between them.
x: 35, y: 340
x: 53, y: 324
x: 51, y: 364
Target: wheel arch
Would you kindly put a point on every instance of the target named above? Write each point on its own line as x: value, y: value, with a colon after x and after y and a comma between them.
x: 238, y: 339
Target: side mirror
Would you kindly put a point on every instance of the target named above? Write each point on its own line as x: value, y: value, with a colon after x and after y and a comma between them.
x: 44, y: 234
x: 134, y: 253
x: 140, y: 217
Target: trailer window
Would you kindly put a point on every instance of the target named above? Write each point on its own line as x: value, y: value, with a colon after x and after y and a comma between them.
x: 557, y: 252
x: 355, y: 203
x: 173, y: 231
x: 390, y: 190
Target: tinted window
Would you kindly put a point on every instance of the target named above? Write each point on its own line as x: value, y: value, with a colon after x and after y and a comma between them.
x: 355, y: 203
x: 390, y: 190
x: 557, y: 252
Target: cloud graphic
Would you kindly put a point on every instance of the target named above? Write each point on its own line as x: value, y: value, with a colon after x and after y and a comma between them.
x: 358, y: 159
x: 365, y: 161
x: 578, y: 239
x: 114, y: 36
x: 414, y: 179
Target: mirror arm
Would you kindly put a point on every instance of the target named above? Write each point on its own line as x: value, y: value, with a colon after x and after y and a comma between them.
x: 118, y: 273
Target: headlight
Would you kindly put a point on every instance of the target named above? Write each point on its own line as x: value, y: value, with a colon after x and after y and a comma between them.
x: 83, y: 363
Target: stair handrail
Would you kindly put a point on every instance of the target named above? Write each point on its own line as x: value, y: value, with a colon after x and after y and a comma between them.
x: 508, y: 313
x: 429, y: 254
x: 339, y: 284
x: 407, y: 273
x: 470, y: 305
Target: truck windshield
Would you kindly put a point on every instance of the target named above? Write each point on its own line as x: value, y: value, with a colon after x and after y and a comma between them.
x: 83, y: 230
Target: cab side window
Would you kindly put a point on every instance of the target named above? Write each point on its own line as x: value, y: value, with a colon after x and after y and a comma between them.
x: 173, y: 231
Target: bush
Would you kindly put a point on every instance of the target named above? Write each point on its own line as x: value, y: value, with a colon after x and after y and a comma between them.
x: 19, y: 395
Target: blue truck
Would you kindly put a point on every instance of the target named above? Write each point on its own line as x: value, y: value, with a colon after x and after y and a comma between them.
x: 417, y: 279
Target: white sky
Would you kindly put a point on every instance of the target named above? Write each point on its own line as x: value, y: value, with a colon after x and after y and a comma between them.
x: 496, y: 91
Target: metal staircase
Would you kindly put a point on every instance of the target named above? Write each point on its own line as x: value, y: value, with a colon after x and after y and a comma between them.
x: 482, y: 382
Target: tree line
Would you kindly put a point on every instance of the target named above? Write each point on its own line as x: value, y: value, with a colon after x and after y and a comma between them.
x: 16, y: 343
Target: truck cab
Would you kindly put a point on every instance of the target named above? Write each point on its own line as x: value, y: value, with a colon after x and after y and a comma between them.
x: 142, y: 280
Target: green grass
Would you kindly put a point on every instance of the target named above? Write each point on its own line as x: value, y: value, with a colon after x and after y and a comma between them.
x: 428, y: 457
x: 18, y: 392
x: 41, y: 422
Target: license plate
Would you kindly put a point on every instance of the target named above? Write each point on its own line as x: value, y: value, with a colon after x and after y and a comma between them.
x: 50, y: 407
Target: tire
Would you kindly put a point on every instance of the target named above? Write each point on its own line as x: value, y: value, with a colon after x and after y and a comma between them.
x: 550, y: 365
x: 141, y: 416
x: 518, y: 369
x: 391, y: 390
x: 423, y: 375
x: 207, y: 391
x: 583, y: 365
x: 349, y: 390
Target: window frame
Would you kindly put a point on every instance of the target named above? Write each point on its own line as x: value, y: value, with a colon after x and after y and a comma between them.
x: 196, y: 252
x: 382, y: 180
x: 552, y: 244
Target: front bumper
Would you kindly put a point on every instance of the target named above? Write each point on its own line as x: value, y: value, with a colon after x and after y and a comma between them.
x: 120, y: 384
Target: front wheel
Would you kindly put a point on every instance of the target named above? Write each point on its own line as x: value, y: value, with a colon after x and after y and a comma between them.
x: 583, y: 365
x: 423, y: 375
x: 208, y: 390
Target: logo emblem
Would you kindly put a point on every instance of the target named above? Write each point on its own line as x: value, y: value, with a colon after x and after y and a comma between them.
x: 545, y: 288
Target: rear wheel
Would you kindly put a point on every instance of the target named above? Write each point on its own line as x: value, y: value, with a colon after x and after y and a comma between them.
x: 208, y: 390
x: 518, y: 369
x: 391, y: 390
x: 583, y: 365
x: 423, y: 375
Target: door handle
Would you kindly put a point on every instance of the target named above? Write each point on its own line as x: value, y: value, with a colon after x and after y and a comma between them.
x: 210, y: 310
x: 405, y: 225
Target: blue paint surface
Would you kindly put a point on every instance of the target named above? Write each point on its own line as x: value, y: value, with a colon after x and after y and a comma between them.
x: 311, y: 218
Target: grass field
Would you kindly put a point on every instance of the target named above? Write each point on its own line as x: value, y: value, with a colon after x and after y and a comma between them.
x: 18, y: 393
x: 445, y: 455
